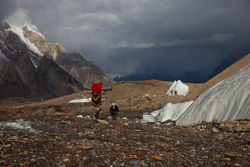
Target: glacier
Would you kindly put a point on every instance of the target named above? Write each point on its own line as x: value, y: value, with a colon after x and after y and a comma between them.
x: 226, y: 101
x: 168, y: 112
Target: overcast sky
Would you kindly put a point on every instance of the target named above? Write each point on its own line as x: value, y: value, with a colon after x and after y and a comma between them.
x: 128, y: 36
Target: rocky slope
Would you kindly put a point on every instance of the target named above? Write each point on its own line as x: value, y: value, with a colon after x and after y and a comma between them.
x: 57, y: 80
x: 11, y: 83
x: 19, y: 77
x: 228, y: 72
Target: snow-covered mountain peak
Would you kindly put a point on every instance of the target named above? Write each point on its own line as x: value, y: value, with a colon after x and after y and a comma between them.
x: 32, y: 28
x: 28, y: 38
x: 35, y: 41
x: 20, y: 32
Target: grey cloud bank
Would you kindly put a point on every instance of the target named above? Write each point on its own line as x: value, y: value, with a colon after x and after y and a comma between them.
x: 6, y: 8
x: 128, y: 36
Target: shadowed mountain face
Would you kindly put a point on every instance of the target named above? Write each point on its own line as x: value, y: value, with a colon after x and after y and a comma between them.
x: 57, y: 81
x: 19, y: 77
x: 82, y: 70
x: 11, y: 83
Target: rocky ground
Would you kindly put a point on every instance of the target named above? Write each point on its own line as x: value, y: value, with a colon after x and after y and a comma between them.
x: 51, y: 134
x: 54, y: 138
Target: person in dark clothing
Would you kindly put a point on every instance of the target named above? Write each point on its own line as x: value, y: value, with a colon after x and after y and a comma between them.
x: 114, y: 110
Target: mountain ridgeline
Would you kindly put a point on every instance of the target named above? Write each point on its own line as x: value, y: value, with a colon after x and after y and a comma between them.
x: 31, y: 66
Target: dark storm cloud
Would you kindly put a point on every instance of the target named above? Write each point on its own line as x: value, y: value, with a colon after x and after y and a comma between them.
x: 145, y: 34
x: 6, y: 8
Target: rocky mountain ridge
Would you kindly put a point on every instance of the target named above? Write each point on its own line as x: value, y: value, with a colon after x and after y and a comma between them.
x: 84, y: 71
x: 30, y: 65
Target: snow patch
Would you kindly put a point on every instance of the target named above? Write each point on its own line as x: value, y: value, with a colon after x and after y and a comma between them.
x: 19, y: 31
x: 85, y: 100
x: 21, y: 125
x: 226, y: 101
x: 178, y: 88
x: 34, y: 61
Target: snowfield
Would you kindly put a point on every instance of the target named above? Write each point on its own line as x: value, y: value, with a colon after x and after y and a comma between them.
x: 226, y: 101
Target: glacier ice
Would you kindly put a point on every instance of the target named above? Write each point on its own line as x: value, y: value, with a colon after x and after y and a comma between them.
x: 226, y: 101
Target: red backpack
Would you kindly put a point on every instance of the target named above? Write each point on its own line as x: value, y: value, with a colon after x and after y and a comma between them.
x: 97, y: 88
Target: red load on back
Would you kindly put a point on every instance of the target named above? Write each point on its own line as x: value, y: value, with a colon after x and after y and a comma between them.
x: 97, y: 88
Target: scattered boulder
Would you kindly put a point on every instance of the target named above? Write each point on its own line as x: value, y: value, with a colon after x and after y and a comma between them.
x: 93, y: 154
x: 215, y: 130
x: 147, y: 96
x: 79, y: 116
x: 137, y: 163
x: 101, y: 121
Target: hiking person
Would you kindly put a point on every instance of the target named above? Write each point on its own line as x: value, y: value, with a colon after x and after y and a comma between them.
x: 96, y: 99
x: 114, y: 110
